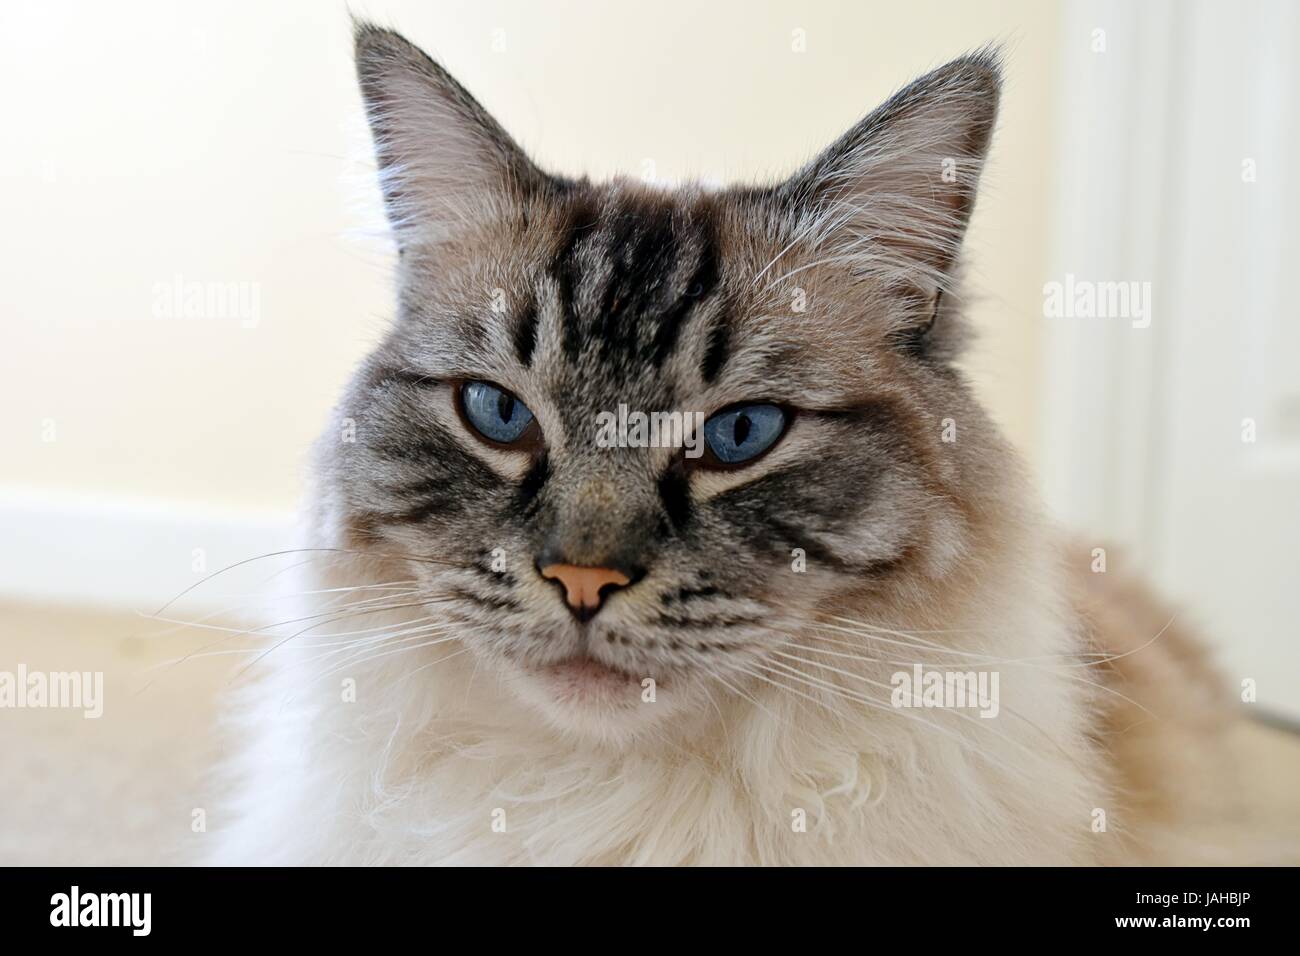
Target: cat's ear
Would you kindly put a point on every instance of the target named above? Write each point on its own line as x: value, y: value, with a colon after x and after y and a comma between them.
x: 894, y: 194
x: 444, y: 162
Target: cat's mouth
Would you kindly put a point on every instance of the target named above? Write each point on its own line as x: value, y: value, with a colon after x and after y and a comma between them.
x: 583, y: 678
x: 584, y: 669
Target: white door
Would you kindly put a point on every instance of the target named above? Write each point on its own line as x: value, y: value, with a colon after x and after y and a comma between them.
x: 1182, y: 439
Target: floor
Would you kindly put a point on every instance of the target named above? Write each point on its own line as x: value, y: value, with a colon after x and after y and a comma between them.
x: 125, y: 788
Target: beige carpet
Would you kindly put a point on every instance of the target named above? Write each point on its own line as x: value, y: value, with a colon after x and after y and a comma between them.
x: 120, y: 789
x: 123, y: 789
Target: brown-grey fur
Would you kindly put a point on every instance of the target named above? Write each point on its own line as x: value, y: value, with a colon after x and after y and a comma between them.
x: 579, y: 297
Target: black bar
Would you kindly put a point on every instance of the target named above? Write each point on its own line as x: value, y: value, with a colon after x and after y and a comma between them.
x: 931, y: 906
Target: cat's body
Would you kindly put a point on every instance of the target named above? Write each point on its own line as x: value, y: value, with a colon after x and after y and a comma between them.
x: 734, y: 698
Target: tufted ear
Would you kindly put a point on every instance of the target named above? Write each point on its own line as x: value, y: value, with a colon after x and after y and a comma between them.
x: 894, y: 194
x: 444, y: 162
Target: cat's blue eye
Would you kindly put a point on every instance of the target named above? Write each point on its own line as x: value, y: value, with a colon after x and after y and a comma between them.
x: 740, y: 434
x: 494, y: 413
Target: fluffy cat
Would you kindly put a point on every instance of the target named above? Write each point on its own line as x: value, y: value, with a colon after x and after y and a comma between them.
x: 529, y: 648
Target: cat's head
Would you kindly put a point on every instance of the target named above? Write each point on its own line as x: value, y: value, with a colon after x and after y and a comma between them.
x: 810, y: 326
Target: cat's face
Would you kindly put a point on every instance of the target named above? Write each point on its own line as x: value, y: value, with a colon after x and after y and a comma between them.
x: 801, y: 325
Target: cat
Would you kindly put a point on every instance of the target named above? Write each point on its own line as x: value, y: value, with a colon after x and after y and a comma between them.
x: 719, y: 647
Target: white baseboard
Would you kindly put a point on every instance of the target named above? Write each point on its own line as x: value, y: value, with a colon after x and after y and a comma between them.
x: 125, y: 553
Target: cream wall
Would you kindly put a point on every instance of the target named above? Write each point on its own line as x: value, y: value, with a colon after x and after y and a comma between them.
x: 211, y: 141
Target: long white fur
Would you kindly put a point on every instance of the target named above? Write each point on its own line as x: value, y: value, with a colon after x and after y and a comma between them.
x: 435, y: 764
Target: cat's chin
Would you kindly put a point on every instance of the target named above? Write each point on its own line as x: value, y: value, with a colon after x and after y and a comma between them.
x: 586, y: 697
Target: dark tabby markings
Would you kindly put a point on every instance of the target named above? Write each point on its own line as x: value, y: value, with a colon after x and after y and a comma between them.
x: 641, y: 251
x: 427, y: 497
x: 717, y: 351
x: 703, y: 281
x: 564, y: 270
x: 657, y: 267
x: 709, y: 622
x: 417, y: 514
x: 689, y: 594
x: 529, y: 500
x: 884, y: 416
x: 484, y: 600
x: 675, y: 492
x: 505, y: 577
x: 526, y: 335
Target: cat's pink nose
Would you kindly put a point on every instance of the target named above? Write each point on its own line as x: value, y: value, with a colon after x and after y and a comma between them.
x: 585, y: 587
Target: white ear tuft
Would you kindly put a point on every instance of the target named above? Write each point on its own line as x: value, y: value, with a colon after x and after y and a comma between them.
x: 444, y: 162
x: 894, y: 194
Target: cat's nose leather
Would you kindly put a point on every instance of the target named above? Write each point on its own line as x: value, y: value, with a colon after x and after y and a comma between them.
x: 585, y: 587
